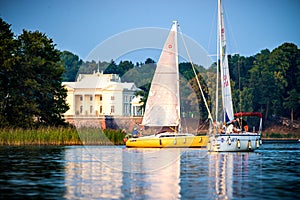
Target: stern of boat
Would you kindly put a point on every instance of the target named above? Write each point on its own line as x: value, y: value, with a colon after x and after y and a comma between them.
x: 245, y: 142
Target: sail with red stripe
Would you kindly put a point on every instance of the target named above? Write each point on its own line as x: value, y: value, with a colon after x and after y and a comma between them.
x: 224, y: 68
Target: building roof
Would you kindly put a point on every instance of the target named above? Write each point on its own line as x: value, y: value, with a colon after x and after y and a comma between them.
x: 100, y: 81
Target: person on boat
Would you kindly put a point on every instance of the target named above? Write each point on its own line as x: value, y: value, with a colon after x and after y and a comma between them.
x: 230, y: 127
x: 236, y: 125
x: 244, y: 125
x: 223, y: 129
x: 241, y: 124
x: 141, y: 132
x: 135, y: 133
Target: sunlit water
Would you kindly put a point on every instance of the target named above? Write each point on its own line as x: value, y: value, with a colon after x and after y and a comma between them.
x: 93, y: 172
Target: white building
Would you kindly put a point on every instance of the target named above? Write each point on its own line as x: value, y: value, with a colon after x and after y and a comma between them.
x: 101, y: 94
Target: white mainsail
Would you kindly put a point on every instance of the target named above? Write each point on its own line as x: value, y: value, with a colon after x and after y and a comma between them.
x: 225, y: 77
x: 163, y: 104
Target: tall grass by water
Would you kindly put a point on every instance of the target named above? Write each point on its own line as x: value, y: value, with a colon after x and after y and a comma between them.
x: 60, y: 136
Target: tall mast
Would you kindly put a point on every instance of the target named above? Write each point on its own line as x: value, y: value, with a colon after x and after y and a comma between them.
x: 220, y: 49
x: 178, y: 78
x: 218, y: 63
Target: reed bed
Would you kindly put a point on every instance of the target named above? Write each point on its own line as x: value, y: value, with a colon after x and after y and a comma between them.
x: 60, y: 136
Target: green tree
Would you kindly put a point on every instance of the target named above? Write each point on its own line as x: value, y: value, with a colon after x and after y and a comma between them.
x: 285, y: 60
x: 262, y: 82
x: 30, y: 71
x: 71, y: 64
x: 112, y: 68
x: 292, y: 102
x: 42, y: 72
x: 124, y: 66
x: 7, y: 59
x: 149, y: 61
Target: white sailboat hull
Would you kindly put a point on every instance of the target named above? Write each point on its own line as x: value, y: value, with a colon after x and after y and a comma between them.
x: 234, y: 142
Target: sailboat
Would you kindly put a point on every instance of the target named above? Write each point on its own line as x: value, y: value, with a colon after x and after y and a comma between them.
x: 239, y: 138
x: 162, y: 109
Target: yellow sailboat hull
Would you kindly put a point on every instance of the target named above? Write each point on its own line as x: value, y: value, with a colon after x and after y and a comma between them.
x: 168, y: 142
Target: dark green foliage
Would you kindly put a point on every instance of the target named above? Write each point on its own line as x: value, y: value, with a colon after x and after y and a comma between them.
x: 120, y: 69
x: 31, y: 71
x: 192, y: 101
x: 7, y: 51
x: 72, y: 63
x: 273, y: 80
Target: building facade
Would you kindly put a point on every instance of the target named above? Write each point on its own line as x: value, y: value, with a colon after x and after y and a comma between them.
x: 98, y: 94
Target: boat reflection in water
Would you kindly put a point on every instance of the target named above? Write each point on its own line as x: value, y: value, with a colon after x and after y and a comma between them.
x: 152, y: 173
x: 95, y: 172
x: 116, y: 173
x: 231, y: 174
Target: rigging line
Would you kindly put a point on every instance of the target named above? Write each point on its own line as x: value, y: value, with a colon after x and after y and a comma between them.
x: 218, y: 67
x: 240, y: 91
x: 231, y: 45
x: 187, y: 52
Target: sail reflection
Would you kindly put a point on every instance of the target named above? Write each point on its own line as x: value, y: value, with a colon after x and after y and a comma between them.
x: 231, y: 173
x: 125, y: 173
x: 87, y: 177
x: 116, y: 173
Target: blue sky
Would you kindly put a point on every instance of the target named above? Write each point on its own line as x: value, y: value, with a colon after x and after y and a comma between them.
x: 79, y: 26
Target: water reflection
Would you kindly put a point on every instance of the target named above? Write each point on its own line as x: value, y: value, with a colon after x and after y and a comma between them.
x: 117, y: 173
x: 88, y: 178
x: 220, y: 175
x: 231, y: 174
x: 120, y: 173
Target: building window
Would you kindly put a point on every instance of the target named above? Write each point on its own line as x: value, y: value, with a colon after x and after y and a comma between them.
x: 125, y: 99
x: 112, y: 109
x: 112, y: 98
x: 100, y: 97
x: 125, y: 109
x: 100, y: 109
x: 91, y: 109
x: 81, y: 109
x: 91, y: 98
x: 80, y: 98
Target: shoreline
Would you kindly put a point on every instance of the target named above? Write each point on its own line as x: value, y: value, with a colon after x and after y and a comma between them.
x: 53, y: 136
x: 290, y: 140
x: 80, y: 143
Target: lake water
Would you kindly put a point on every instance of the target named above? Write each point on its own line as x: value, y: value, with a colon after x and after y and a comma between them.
x: 94, y: 172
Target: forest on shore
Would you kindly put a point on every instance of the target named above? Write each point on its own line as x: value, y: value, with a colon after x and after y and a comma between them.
x: 32, y: 70
x: 268, y: 82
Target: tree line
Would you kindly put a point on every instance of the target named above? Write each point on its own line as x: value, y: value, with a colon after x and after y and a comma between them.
x: 268, y: 82
x: 32, y: 70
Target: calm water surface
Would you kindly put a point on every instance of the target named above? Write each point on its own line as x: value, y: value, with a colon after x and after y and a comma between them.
x: 95, y: 172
